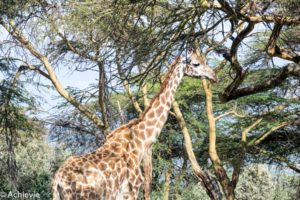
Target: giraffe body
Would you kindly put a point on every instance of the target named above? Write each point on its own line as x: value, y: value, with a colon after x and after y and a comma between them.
x: 113, y: 170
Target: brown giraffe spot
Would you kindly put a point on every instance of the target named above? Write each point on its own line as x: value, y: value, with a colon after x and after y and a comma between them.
x: 132, y: 179
x: 102, y: 166
x: 130, y: 162
x: 73, y: 186
x: 115, y: 147
x: 114, y: 174
x: 151, y: 122
x: 67, y: 169
x: 142, y: 126
x: 71, y: 177
x: 88, y: 165
x: 160, y: 124
x: 135, y: 152
x: 167, y: 94
x: 163, y: 99
x: 149, y: 132
x: 87, y: 173
x: 141, y: 135
x: 138, y: 143
x: 107, y: 174
x: 159, y: 110
x: 151, y: 114
x: 162, y: 118
x: 111, y: 164
x: 136, y: 171
x: 132, y: 146
x: 68, y: 190
x: 168, y: 103
x: 116, y: 183
x: 125, y: 145
x: 92, y: 195
x: 156, y: 103
x: 127, y: 135
x: 78, y: 170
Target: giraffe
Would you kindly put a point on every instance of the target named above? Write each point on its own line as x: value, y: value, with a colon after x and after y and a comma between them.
x: 113, y: 170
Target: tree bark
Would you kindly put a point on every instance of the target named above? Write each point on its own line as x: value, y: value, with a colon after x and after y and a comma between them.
x: 218, y: 167
x: 167, y: 184
x: 211, y: 187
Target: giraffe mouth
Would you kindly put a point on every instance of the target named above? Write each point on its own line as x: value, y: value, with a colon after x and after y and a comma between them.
x: 211, y: 76
x: 208, y: 73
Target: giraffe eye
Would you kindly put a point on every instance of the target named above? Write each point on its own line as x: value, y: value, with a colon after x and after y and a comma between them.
x: 196, y: 64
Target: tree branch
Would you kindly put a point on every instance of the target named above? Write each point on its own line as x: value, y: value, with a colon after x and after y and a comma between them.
x: 240, y: 73
x: 274, y: 50
x: 101, y: 100
x: 232, y: 112
x: 219, y: 169
x: 206, y: 181
x: 272, y: 19
x: 289, y: 70
x: 14, y: 31
x: 241, y: 155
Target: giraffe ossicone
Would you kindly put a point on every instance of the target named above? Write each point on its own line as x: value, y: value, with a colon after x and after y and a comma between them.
x: 113, y: 170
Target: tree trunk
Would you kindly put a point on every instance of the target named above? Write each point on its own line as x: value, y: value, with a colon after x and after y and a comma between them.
x: 167, y: 184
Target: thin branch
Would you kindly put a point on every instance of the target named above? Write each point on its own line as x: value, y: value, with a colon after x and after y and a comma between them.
x: 263, y: 136
x: 241, y: 154
x: 272, y: 19
x: 14, y: 31
x: 248, y: 129
x: 232, y: 112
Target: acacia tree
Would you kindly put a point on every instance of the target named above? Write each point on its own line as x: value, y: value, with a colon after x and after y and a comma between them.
x: 117, y: 39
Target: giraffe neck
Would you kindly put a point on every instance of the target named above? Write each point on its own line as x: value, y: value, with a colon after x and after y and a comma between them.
x: 154, y: 118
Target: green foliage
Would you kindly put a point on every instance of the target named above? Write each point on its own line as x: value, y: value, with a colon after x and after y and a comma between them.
x: 143, y: 31
x: 258, y: 183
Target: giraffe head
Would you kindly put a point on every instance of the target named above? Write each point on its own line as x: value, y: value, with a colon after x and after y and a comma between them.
x: 197, y: 67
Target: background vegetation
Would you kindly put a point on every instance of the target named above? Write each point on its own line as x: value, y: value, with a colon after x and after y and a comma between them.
x: 235, y: 139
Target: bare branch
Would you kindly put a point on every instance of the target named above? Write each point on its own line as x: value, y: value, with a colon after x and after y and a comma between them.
x: 232, y: 112
x: 219, y: 169
x: 240, y: 73
x: 273, y: 19
x: 249, y: 128
x: 14, y: 31
x: 210, y: 186
x: 274, y: 50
